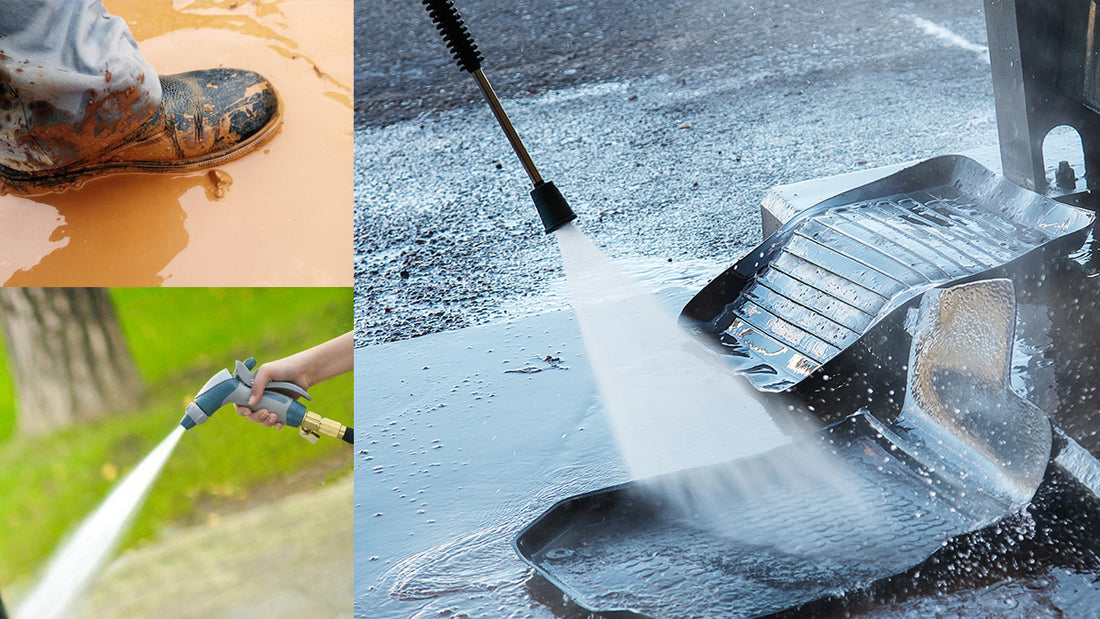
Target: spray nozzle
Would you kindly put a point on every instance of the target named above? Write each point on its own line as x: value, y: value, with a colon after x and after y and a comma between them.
x: 553, y: 209
x: 279, y: 397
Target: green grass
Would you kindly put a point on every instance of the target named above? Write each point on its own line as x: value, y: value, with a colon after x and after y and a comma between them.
x: 7, y: 401
x: 178, y: 337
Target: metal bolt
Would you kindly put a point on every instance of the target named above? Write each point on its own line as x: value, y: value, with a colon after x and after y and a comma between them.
x: 1065, y: 176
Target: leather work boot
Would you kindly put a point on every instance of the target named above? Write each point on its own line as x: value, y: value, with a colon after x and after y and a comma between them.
x: 205, y: 118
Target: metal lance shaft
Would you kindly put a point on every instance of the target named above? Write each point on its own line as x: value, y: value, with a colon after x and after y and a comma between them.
x: 552, y: 207
x: 506, y: 125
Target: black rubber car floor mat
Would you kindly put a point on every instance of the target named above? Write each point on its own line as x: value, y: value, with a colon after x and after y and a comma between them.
x: 835, y: 511
x: 825, y: 278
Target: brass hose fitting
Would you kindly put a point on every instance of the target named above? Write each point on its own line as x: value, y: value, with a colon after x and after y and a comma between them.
x: 314, y: 425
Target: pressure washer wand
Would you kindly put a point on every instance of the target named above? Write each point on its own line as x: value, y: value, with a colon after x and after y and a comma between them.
x: 281, y: 398
x: 553, y: 209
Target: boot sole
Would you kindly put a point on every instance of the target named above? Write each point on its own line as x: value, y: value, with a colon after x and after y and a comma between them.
x: 29, y: 183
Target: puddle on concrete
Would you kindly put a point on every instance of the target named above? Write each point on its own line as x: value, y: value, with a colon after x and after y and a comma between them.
x: 455, y: 453
x: 283, y: 217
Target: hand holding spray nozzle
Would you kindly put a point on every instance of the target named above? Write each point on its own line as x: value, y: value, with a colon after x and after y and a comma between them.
x: 279, y: 397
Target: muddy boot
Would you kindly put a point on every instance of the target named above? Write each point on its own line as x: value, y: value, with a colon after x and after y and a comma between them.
x: 205, y: 118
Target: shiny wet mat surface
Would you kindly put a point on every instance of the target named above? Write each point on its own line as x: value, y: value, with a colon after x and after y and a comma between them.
x: 819, y: 284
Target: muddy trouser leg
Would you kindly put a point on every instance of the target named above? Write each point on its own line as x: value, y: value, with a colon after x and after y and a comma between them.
x: 72, y: 83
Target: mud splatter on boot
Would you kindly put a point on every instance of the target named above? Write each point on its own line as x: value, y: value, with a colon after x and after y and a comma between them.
x: 206, y: 118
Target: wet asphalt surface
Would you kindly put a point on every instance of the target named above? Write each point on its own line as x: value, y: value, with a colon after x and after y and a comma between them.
x: 663, y: 123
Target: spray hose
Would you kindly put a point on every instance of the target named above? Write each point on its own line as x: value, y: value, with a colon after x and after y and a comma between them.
x: 552, y: 206
x: 280, y: 398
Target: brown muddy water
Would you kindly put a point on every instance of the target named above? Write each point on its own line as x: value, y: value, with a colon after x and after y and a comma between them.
x: 278, y: 216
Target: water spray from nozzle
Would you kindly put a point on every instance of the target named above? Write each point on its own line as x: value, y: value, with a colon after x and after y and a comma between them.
x: 279, y: 397
x: 552, y: 206
x: 76, y: 565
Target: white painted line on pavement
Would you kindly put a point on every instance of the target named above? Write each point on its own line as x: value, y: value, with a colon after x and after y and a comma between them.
x: 945, y: 35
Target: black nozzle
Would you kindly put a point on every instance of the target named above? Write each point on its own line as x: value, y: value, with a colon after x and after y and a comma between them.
x: 553, y: 209
x: 458, y: 38
x: 349, y: 436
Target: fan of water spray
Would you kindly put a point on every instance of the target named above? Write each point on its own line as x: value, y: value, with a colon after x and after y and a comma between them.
x: 75, y: 566
x: 670, y: 403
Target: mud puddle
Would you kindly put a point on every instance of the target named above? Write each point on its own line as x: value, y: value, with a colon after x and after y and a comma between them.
x: 278, y: 216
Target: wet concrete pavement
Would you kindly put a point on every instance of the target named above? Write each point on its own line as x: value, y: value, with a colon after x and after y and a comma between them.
x: 258, y: 562
x: 456, y: 456
x: 664, y: 126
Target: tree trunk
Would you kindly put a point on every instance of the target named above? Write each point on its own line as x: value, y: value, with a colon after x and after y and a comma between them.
x: 67, y: 356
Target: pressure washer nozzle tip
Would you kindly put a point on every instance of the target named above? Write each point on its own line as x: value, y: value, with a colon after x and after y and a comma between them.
x: 553, y: 209
x: 187, y: 422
